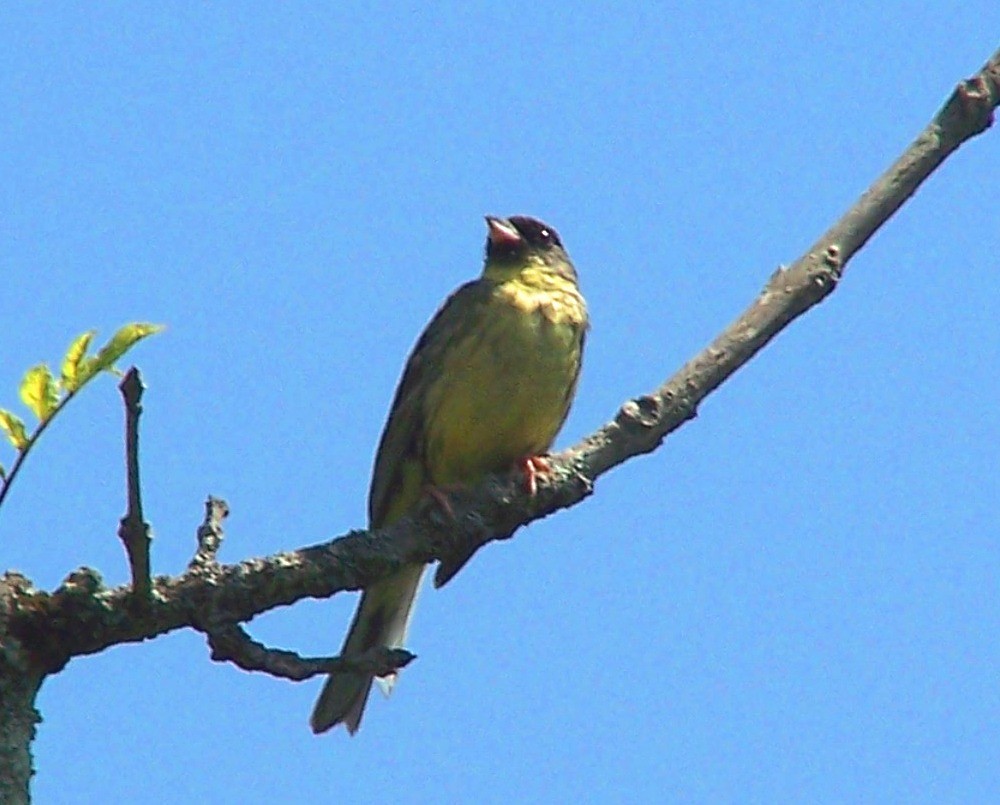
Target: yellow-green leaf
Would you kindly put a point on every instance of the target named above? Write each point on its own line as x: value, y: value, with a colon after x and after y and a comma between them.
x: 120, y: 343
x: 14, y: 428
x: 38, y: 391
x: 76, y: 364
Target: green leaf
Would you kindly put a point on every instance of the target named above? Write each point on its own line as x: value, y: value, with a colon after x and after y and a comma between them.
x: 38, y: 391
x: 76, y: 365
x: 14, y: 428
x: 3, y: 473
x: 120, y: 343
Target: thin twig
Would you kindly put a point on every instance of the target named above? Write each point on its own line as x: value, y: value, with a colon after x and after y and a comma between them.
x: 133, y: 530
x: 22, y: 454
x: 230, y: 643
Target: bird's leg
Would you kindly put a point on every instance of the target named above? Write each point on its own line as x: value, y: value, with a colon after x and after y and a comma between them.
x: 532, y: 467
x: 439, y: 494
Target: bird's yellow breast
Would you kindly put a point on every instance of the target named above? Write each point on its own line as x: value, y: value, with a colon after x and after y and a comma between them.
x: 503, y: 392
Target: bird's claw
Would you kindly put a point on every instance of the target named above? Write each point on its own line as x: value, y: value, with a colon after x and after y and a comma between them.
x: 532, y: 467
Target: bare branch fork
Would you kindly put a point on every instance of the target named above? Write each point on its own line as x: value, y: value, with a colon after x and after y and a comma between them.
x: 229, y: 641
x: 82, y: 616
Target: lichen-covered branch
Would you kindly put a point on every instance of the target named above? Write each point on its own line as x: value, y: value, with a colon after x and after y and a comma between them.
x: 19, y: 684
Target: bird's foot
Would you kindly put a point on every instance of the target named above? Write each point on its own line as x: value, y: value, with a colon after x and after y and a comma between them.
x: 533, y: 467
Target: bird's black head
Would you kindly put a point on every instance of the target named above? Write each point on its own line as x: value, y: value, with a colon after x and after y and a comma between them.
x: 512, y: 239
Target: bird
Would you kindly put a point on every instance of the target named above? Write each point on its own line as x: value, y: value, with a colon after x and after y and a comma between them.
x: 485, y: 390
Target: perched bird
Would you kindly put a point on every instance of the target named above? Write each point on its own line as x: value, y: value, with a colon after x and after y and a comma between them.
x: 486, y: 389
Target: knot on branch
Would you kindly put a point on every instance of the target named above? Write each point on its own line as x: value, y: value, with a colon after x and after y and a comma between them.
x: 82, y: 581
x: 969, y: 111
x: 642, y: 412
x: 15, y: 585
x: 832, y: 258
x: 210, y: 533
x: 975, y: 95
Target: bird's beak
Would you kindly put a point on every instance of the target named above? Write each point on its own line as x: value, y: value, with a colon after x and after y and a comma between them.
x: 501, y: 232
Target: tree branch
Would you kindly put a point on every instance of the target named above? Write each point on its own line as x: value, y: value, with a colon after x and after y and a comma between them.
x: 83, y: 617
x: 230, y: 643
x: 19, y: 685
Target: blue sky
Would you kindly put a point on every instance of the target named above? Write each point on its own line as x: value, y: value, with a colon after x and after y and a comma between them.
x: 794, y: 599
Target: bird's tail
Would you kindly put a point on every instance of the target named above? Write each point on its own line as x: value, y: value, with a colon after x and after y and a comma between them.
x: 382, y: 619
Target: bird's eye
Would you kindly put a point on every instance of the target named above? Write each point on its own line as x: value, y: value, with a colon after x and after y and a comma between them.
x: 534, y: 232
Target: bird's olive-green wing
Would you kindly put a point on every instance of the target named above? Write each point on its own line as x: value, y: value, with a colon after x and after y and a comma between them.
x: 399, y: 474
x: 571, y: 388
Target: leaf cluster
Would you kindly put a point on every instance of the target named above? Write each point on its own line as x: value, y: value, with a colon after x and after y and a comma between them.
x: 45, y: 395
